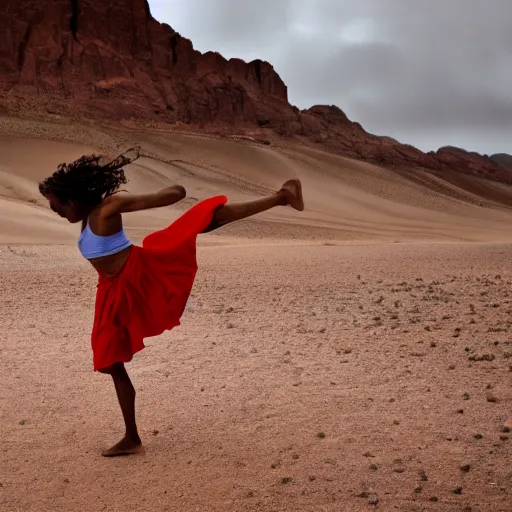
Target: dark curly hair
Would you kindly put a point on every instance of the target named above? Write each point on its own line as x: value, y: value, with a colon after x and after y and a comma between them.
x: 86, y: 181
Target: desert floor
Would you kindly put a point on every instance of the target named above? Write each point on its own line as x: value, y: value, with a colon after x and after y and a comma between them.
x: 352, y: 357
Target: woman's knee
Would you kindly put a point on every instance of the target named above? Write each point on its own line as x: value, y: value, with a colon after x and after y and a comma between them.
x: 218, y: 220
x: 115, y: 369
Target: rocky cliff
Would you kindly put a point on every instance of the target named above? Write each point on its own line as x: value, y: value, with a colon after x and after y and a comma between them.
x: 113, y: 60
x: 331, y: 127
x: 90, y: 57
x: 503, y: 159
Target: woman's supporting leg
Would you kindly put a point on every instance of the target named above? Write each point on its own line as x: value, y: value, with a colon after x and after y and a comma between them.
x: 289, y: 195
x: 131, y: 443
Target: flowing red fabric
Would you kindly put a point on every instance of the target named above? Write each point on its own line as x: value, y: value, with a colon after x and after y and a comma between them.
x: 150, y: 293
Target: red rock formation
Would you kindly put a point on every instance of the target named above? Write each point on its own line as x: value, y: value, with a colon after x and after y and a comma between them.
x: 90, y: 58
x: 329, y: 125
x: 503, y: 159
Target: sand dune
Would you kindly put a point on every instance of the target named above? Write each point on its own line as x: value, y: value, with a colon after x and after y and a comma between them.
x: 346, y: 199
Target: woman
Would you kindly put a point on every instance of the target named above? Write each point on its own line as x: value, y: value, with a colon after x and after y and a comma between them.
x: 142, y: 291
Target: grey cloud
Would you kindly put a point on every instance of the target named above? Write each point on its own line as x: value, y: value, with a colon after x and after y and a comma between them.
x: 226, y: 24
x: 400, y: 67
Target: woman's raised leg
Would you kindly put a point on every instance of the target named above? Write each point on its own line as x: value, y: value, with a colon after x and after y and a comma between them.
x: 289, y: 195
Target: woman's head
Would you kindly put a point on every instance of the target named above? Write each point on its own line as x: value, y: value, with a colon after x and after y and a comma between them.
x: 75, y: 189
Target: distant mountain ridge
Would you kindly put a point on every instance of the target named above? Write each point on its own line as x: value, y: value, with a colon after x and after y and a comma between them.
x: 502, y: 159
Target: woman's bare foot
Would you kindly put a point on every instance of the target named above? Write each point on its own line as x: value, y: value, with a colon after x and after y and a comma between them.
x: 292, y: 193
x: 126, y: 446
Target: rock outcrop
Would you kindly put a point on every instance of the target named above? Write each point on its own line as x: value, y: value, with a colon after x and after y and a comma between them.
x: 502, y: 159
x: 113, y: 60
x: 330, y: 126
x: 89, y: 57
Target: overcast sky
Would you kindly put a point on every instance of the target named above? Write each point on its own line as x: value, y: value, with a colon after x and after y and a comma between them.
x: 427, y: 72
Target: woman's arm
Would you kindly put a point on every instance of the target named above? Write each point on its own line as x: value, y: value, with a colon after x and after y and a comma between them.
x: 124, y: 203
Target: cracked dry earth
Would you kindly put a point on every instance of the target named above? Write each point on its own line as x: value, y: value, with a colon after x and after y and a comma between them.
x: 311, y: 378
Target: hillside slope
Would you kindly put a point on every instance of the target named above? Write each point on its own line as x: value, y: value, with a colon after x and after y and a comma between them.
x: 91, y: 59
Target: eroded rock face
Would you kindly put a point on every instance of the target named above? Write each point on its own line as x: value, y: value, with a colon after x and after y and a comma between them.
x: 502, y: 159
x: 113, y: 60
x: 330, y: 126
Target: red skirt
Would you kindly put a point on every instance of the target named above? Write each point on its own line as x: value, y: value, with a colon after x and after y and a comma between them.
x: 150, y: 293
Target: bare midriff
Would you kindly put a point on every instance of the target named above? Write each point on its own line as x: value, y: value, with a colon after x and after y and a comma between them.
x: 111, y: 265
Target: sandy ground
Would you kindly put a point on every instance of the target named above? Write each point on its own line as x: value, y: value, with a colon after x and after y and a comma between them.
x: 354, y: 357
x: 372, y: 347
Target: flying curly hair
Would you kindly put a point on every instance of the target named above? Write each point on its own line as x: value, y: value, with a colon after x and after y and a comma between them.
x: 86, y: 181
